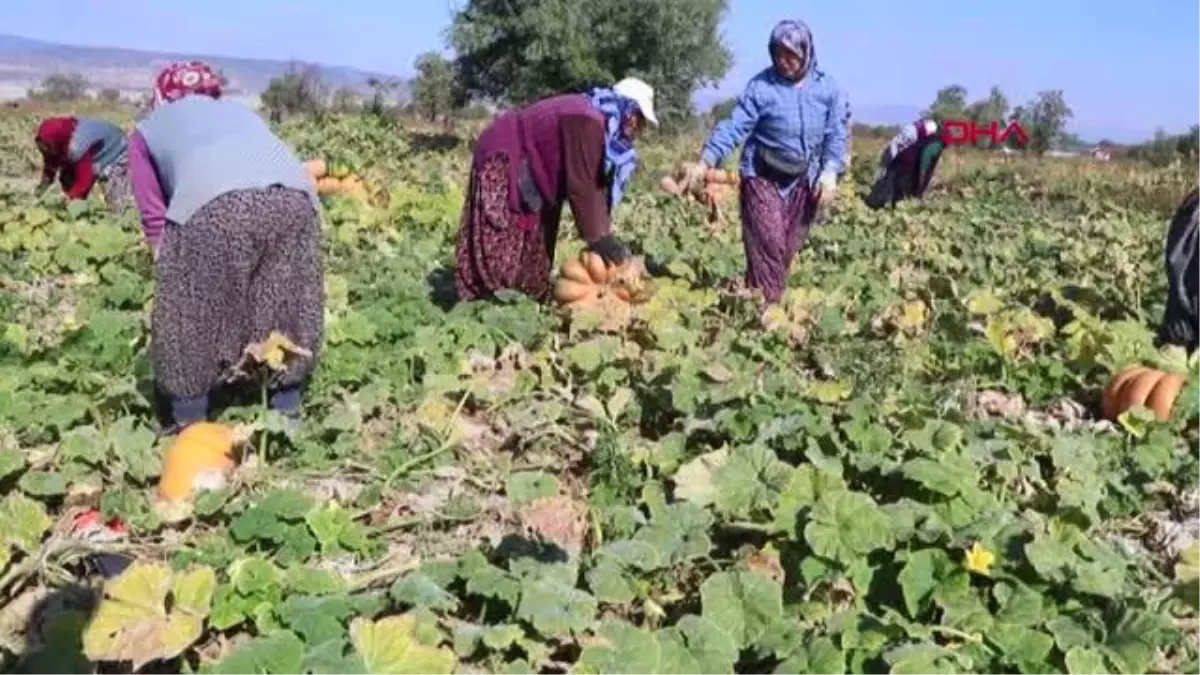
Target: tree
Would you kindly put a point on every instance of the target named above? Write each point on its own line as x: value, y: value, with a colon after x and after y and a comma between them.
x: 515, y: 51
x: 299, y: 91
x: 61, y: 87
x: 109, y: 95
x: 950, y: 103
x: 992, y: 109
x: 722, y: 109
x: 384, y: 89
x: 433, y: 89
x: 1189, y: 144
x: 345, y: 100
x: 1046, y: 119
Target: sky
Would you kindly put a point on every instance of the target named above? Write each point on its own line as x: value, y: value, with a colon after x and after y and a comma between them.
x: 1126, y: 68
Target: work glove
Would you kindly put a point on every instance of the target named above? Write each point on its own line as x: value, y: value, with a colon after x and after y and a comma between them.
x: 693, y: 176
x: 826, y: 188
x: 610, y: 249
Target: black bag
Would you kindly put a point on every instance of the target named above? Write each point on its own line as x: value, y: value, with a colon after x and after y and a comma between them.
x: 531, y: 197
x: 778, y: 165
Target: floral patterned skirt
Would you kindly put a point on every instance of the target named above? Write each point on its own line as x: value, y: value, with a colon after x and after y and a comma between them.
x: 118, y: 190
x: 774, y: 227
x: 496, y: 248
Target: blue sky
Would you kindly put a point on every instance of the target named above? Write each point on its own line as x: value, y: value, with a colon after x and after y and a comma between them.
x: 1127, y: 68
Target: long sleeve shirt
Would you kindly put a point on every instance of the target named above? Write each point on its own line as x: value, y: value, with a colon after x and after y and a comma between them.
x: 583, y: 153
x: 804, y: 120
x: 76, y: 178
x: 147, y: 190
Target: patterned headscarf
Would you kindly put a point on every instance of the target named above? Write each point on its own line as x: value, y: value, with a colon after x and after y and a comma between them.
x: 183, y: 79
x: 620, y: 158
x: 796, y: 38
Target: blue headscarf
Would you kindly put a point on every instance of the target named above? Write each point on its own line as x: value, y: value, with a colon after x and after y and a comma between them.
x: 620, y: 159
x: 796, y: 38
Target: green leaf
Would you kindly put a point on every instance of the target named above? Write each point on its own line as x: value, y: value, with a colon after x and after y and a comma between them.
x: 43, y: 484
x: 555, y: 609
x: 947, y: 476
x: 609, y: 584
x: 1021, y: 643
x: 279, y: 653
x: 23, y: 521
x: 845, y: 526
x: 11, y: 461
x: 391, y: 645
x: 526, y: 486
x: 922, y: 573
x: 628, y: 650
x: 818, y: 655
x: 1084, y: 661
x: 743, y: 603
x: 417, y: 590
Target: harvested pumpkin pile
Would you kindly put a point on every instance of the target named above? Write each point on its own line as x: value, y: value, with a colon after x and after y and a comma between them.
x: 587, y: 280
x: 334, y: 180
x: 719, y: 186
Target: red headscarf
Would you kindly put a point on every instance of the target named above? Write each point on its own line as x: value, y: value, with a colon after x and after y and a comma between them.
x: 184, y: 78
x: 55, y: 134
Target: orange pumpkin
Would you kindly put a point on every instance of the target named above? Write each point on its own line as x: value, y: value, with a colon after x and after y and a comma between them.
x: 316, y: 168
x: 200, y: 458
x: 1141, y: 385
x: 583, y: 280
x: 350, y: 185
x: 720, y: 177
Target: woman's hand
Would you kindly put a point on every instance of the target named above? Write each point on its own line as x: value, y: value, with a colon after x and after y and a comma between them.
x: 693, y: 176
x: 610, y: 249
x: 826, y: 188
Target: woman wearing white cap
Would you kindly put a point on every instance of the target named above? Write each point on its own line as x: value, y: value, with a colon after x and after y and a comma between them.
x: 575, y: 148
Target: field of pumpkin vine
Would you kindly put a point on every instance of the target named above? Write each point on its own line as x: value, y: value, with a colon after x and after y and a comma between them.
x: 903, y: 469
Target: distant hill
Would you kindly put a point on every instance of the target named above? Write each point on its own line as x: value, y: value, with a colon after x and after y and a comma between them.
x: 25, y: 62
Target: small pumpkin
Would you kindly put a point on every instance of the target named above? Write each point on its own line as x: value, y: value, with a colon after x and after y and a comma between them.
x: 720, y: 177
x: 1141, y: 385
x: 200, y: 458
x: 316, y: 168
x: 583, y: 280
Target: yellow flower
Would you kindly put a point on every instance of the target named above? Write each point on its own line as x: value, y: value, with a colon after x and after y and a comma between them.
x: 978, y: 559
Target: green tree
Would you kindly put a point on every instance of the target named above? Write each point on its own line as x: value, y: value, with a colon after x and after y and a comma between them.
x: 383, y: 92
x: 433, y: 89
x: 345, y: 100
x: 299, y: 91
x: 61, y: 87
x: 1045, y: 119
x: 723, y: 109
x: 950, y: 103
x: 1189, y: 143
x: 992, y: 109
x: 515, y: 51
x: 109, y: 95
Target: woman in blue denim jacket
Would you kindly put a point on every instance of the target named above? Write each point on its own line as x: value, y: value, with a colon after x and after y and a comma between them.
x: 791, y: 119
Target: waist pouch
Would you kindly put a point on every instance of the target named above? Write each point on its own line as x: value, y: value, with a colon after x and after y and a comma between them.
x: 777, y: 165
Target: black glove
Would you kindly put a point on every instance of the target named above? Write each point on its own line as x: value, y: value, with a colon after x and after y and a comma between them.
x: 611, y: 249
